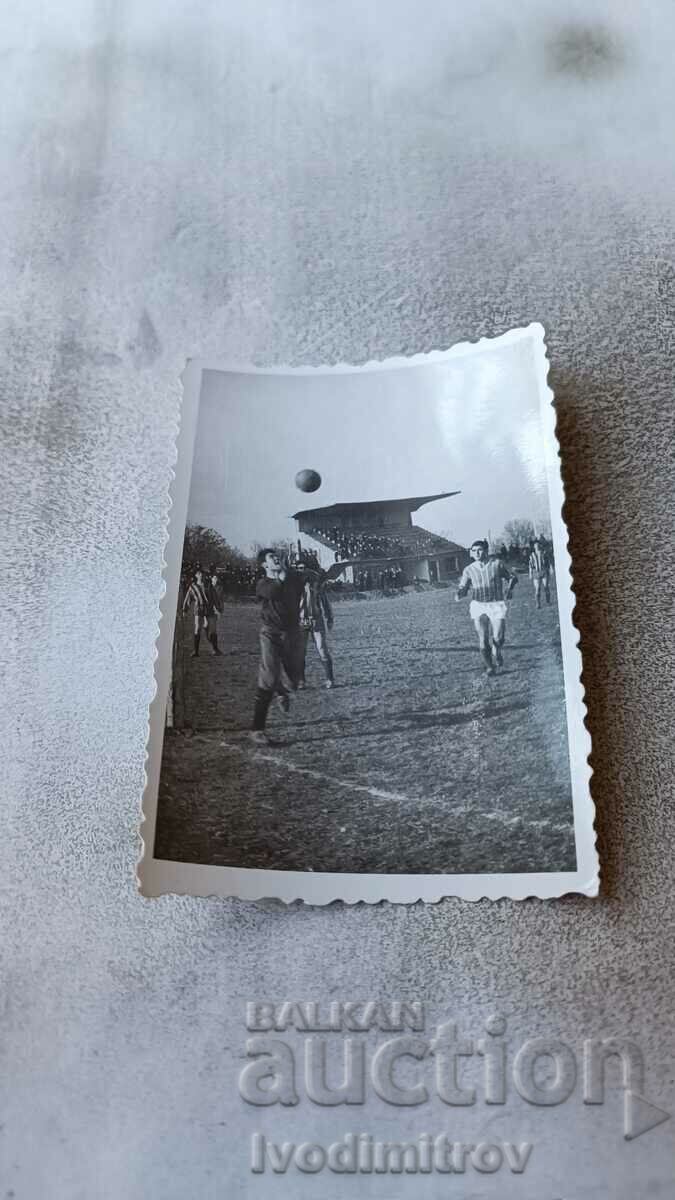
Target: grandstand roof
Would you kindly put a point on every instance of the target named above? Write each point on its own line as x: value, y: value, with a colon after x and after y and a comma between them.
x: 412, y: 503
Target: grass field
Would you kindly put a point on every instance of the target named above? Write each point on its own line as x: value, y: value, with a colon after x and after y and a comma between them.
x: 416, y: 762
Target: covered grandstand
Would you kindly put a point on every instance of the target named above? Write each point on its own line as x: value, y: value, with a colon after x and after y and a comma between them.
x: 377, y: 534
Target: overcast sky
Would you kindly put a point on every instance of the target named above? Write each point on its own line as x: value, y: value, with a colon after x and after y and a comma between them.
x: 470, y: 425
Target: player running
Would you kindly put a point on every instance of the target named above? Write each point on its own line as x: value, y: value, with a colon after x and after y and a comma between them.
x: 281, y: 638
x: 204, y: 598
x: 486, y: 577
x: 540, y: 567
x: 316, y: 615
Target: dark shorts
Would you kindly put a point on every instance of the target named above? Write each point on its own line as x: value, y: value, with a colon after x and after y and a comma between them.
x: 280, y: 651
x: 210, y: 624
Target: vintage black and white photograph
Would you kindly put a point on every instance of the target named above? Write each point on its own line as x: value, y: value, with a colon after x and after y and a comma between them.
x: 368, y: 680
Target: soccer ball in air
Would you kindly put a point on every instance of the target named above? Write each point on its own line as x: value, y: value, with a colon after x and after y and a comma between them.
x: 308, y: 481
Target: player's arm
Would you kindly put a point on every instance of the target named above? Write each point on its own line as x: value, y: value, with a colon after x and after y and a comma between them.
x: 510, y: 577
x: 464, y: 585
x: 267, y: 589
x: 326, y: 606
x: 189, y: 595
x: 286, y: 567
x: 215, y: 599
x: 336, y: 569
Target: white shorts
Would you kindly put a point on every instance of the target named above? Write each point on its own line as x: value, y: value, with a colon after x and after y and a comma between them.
x: 494, y: 610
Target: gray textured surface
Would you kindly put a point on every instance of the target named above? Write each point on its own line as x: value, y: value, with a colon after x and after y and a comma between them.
x: 304, y: 183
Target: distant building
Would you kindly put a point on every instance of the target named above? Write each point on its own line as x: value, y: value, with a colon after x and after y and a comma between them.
x: 376, y: 535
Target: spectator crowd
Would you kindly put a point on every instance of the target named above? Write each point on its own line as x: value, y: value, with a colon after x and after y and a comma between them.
x: 348, y: 545
x: 386, y: 580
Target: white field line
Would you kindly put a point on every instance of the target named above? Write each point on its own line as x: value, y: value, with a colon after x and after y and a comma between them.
x: 379, y: 793
x: 319, y: 776
x: 532, y: 823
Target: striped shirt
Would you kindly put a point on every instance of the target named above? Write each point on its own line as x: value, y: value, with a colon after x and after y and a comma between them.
x: 204, y: 597
x: 540, y: 563
x: 315, y: 607
x: 486, y: 579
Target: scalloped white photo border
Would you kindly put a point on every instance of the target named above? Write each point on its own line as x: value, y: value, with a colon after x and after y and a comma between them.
x: 158, y: 877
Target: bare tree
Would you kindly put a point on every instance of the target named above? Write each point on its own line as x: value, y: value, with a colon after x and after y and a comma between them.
x: 519, y: 532
x: 208, y: 547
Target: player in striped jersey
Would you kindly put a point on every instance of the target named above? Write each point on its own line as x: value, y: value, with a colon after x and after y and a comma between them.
x: 485, y: 577
x: 203, y: 597
x: 539, y: 565
x: 316, y: 614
